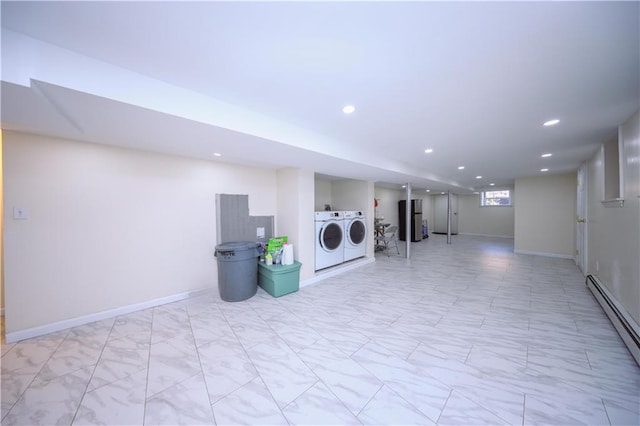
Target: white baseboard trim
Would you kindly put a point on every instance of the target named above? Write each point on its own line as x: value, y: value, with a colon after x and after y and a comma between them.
x: 486, y: 235
x: 337, y: 270
x: 627, y: 328
x: 86, y: 319
x: 539, y: 253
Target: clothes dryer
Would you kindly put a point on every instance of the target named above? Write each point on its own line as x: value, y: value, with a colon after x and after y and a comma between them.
x: 329, y: 239
x: 355, y: 231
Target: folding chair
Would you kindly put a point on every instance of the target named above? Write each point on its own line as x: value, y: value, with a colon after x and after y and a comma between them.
x: 389, y: 239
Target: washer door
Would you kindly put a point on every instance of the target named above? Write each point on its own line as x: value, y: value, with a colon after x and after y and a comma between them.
x: 357, y: 232
x: 330, y: 236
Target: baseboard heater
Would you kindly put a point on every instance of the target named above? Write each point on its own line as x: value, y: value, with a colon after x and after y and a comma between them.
x: 627, y: 328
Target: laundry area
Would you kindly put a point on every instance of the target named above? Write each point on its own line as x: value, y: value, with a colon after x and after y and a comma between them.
x: 343, y: 223
x: 252, y: 252
x: 341, y: 236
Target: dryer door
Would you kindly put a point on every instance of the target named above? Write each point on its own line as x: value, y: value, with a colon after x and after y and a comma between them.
x: 356, y: 232
x: 330, y: 236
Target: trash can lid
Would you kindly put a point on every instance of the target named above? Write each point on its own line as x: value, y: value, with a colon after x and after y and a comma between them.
x: 237, y: 245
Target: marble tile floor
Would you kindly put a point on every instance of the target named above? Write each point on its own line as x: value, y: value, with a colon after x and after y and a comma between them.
x: 2, y: 331
x: 462, y: 334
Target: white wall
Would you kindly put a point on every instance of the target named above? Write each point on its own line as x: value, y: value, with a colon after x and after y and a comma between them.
x: 322, y: 194
x: 1, y: 232
x: 341, y: 194
x: 110, y: 227
x: 545, y: 215
x: 614, y: 232
x: 476, y: 220
x: 350, y: 194
x: 428, y: 204
x: 295, y: 217
x: 388, y: 204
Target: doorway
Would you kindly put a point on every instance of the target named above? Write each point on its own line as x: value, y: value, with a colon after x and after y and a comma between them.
x: 2, y: 321
x: 581, y: 219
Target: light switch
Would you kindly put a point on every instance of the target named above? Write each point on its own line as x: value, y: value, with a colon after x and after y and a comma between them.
x: 20, y: 213
x: 260, y: 232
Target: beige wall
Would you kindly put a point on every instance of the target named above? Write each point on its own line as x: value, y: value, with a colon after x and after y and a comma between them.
x: 614, y: 232
x: 476, y: 220
x: 111, y: 227
x: 545, y: 215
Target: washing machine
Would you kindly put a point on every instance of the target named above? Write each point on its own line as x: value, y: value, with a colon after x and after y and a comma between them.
x: 355, y: 231
x: 329, y: 239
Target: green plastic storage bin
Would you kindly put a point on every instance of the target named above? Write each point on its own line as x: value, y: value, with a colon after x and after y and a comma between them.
x: 278, y: 280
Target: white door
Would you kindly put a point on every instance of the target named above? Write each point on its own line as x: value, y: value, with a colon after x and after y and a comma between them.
x: 454, y: 214
x: 441, y: 212
x: 581, y: 219
x: 440, y: 215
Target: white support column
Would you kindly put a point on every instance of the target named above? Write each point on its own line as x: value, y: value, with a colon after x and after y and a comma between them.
x: 407, y: 221
x: 449, y: 217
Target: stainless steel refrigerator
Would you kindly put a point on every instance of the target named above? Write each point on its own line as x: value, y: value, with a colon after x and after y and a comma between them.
x: 415, y: 219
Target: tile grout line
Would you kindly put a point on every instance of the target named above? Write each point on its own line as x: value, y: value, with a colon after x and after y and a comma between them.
x: 146, y: 386
x: 606, y: 411
x: 318, y: 379
x: 371, y: 399
x: 36, y: 375
x: 445, y: 405
x: 73, y: 419
x: 252, y: 364
x: 206, y: 386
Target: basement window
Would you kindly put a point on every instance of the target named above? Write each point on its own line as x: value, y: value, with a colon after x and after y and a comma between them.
x: 495, y: 198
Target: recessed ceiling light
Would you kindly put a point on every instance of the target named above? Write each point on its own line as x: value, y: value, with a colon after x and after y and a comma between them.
x: 551, y: 122
x: 404, y: 186
x: 217, y: 154
x: 544, y: 170
x: 428, y: 151
x: 478, y: 177
x: 548, y: 154
x: 492, y: 184
x: 460, y: 167
x: 428, y: 190
x: 348, y: 109
x: 443, y: 192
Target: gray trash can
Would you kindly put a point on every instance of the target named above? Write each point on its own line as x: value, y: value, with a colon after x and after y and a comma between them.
x: 237, y: 270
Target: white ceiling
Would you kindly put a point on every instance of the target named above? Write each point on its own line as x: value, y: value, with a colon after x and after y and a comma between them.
x: 264, y: 83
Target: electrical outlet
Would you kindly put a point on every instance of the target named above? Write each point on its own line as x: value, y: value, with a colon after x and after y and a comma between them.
x: 20, y: 213
x: 260, y: 232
